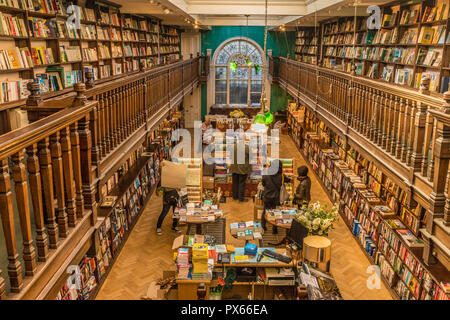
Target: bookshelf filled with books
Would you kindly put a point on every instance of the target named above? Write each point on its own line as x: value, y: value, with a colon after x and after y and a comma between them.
x: 380, y: 215
x: 412, y: 42
x: 42, y: 42
x: 307, y: 45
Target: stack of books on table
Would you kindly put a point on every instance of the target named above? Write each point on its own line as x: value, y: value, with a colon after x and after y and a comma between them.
x: 183, y: 265
x: 249, y: 230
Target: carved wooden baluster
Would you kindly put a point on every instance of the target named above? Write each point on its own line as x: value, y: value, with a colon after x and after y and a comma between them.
x: 359, y: 110
x: 76, y: 164
x: 2, y: 287
x: 47, y: 186
x: 412, y: 108
x: 123, y: 112
x: 395, y: 119
x: 94, y: 133
x: 419, y: 130
x: 132, y: 107
x: 23, y: 207
x: 89, y: 189
x: 389, y: 122
x: 142, y: 100
x: 102, y: 127
x: 408, y: 134
x: 374, y: 122
x: 128, y: 109
x: 120, y: 132
x: 34, y: 178
x: 401, y: 125
x: 382, y: 119
x: 58, y: 177
x: 427, y: 142
x: 9, y: 230
x: 107, y: 121
x: 136, y: 106
x: 367, y: 111
x: 430, y: 173
x: 113, y: 119
x: 66, y: 149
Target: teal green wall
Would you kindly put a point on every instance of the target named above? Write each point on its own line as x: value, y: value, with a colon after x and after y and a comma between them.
x: 281, y: 43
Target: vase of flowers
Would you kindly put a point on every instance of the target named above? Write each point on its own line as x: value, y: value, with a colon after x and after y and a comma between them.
x: 317, y: 218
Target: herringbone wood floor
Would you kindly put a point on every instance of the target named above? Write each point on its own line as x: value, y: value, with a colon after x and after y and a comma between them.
x: 146, y: 255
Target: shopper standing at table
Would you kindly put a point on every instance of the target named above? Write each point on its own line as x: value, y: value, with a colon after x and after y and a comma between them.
x: 302, y: 195
x: 240, y: 169
x: 170, y: 200
x: 271, y: 195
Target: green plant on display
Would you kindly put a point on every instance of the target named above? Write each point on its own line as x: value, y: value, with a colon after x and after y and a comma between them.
x: 317, y: 218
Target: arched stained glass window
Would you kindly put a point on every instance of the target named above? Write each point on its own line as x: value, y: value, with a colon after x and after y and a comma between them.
x: 241, y: 85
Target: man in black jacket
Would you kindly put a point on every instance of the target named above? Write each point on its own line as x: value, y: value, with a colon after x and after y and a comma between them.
x: 240, y: 169
x: 271, y: 194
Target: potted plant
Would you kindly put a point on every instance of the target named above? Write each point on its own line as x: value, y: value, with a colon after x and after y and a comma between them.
x: 317, y: 218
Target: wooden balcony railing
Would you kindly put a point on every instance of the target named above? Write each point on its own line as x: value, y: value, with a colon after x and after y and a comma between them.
x: 404, y: 130
x: 51, y: 170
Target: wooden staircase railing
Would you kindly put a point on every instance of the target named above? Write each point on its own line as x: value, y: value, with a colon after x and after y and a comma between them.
x: 54, y: 167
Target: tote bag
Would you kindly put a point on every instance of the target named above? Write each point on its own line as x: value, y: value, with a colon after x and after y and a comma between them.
x: 284, y: 195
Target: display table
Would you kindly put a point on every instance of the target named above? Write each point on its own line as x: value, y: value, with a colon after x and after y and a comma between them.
x: 187, y: 289
x: 286, y: 226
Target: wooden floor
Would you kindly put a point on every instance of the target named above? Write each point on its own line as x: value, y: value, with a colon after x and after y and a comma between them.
x: 146, y: 255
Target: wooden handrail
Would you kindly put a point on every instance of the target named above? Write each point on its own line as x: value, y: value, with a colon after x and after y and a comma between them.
x: 406, y: 132
x: 72, y: 146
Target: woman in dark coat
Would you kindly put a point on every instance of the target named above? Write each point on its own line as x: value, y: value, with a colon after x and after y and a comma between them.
x: 302, y: 195
x: 271, y: 194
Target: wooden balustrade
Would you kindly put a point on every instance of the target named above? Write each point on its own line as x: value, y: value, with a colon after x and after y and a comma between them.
x: 43, y: 150
x: 51, y: 168
x: 395, y: 119
x: 407, y: 132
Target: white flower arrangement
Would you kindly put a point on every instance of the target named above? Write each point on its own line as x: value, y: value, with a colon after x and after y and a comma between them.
x: 318, y: 219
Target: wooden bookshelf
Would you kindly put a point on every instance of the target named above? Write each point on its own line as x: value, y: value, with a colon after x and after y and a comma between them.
x: 129, y: 43
x: 336, y: 166
x: 307, y: 45
x: 399, y: 52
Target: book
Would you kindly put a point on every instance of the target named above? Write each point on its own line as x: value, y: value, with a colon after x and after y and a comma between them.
x: 410, y: 239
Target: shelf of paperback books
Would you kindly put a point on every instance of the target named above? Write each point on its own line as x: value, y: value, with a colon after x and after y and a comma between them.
x: 377, y: 212
x: 37, y: 35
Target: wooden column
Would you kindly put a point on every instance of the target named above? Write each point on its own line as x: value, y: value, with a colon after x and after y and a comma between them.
x: 427, y: 142
x: 76, y: 165
x: 66, y: 149
x: 446, y: 109
x: 47, y: 188
x: 23, y: 208
x: 34, y: 178
x: 437, y: 197
x: 89, y: 189
x: 58, y: 178
x: 9, y: 230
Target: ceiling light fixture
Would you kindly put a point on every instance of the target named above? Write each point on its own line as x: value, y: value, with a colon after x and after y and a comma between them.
x: 166, y: 10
